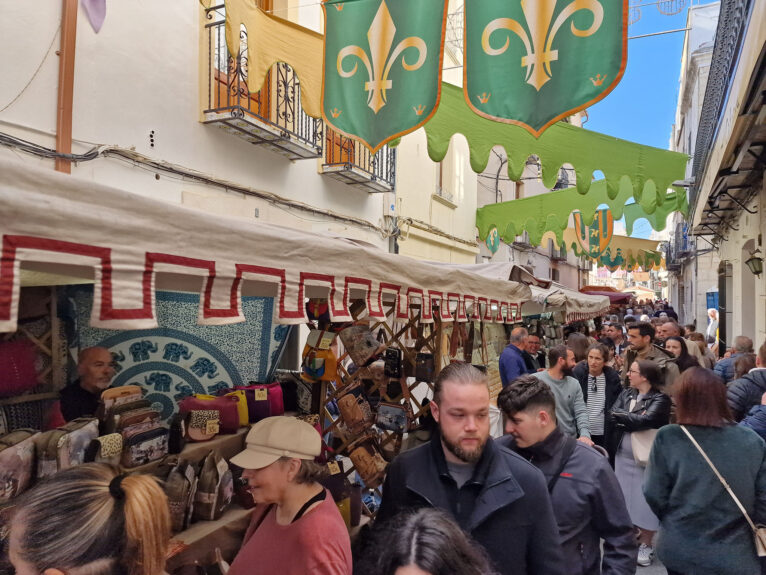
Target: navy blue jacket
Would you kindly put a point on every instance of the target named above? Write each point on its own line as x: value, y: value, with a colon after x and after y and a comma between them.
x: 512, y: 364
x: 505, y: 506
x: 756, y: 420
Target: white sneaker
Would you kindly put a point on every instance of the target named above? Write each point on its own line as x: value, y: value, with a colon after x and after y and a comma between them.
x: 645, y: 554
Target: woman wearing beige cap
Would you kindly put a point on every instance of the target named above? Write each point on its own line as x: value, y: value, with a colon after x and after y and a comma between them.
x: 296, y: 527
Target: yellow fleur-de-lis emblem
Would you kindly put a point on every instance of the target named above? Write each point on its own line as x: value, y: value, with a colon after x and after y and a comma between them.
x: 335, y: 112
x: 538, y: 40
x: 598, y: 80
x: 380, y: 38
x: 338, y: 7
x: 484, y: 97
x: 419, y: 109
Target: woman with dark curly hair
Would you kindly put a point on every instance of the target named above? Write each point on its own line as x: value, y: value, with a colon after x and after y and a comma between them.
x: 683, y: 359
x: 426, y: 542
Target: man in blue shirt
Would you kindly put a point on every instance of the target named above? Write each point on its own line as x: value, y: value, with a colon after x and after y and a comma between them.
x: 512, y: 363
x: 725, y: 367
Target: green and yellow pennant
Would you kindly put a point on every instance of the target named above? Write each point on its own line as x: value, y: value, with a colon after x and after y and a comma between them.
x: 382, y: 66
x: 534, y: 62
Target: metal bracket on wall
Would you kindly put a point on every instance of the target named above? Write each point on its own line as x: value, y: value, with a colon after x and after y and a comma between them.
x: 740, y: 204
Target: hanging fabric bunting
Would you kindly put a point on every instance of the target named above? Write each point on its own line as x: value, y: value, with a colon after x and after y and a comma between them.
x: 622, y: 252
x: 535, y: 62
x: 382, y: 66
x: 594, y: 238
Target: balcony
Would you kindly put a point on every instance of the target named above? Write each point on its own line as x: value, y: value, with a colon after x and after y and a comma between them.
x: 350, y: 162
x: 271, y: 117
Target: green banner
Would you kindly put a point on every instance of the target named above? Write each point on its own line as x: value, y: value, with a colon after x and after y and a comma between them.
x: 534, y: 62
x: 382, y: 66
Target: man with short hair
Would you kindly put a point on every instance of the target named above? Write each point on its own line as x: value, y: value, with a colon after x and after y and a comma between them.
x: 534, y: 357
x: 511, y: 359
x: 640, y: 336
x: 725, y: 367
x: 571, y: 412
x: 746, y: 392
x: 587, y: 499
x: 95, y: 367
x: 614, y: 332
x: 493, y: 494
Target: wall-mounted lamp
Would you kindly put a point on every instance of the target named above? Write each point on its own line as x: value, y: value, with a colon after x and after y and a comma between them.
x: 755, y: 263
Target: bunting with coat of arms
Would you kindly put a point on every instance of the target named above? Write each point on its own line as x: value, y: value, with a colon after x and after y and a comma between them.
x: 534, y: 62
x: 382, y: 66
x: 594, y: 238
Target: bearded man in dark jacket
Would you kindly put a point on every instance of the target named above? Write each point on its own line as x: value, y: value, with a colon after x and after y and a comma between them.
x: 746, y: 392
x: 493, y: 494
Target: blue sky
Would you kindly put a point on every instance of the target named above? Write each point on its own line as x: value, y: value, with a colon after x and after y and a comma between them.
x: 642, y: 107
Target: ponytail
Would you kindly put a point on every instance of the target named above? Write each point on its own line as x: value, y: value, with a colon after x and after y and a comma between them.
x: 147, y: 525
x: 116, y: 523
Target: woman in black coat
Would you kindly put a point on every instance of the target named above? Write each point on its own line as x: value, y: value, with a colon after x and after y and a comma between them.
x: 600, y: 388
x: 638, y: 408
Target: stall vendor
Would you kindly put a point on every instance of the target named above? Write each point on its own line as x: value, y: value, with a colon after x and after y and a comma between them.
x: 96, y: 370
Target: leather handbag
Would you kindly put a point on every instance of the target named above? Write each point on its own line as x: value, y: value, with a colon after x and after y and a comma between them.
x: 368, y: 461
x: 17, y: 462
x: 65, y: 446
x: 202, y: 424
x: 759, y: 531
x: 641, y: 442
x: 318, y: 360
x: 263, y: 400
x: 177, y: 434
x: 392, y: 417
x: 136, y: 416
x: 424, y: 366
x: 111, y: 419
x: 119, y: 395
x: 361, y: 345
x: 105, y: 449
x: 145, y: 447
x: 355, y: 410
x: 226, y: 406
x: 215, y: 488
x: 244, y: 417
x: 392, y: 362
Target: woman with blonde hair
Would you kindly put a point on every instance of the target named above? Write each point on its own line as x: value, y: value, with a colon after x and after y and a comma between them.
x: 90, y: 520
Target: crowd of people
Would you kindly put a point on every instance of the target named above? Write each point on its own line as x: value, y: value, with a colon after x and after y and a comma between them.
x: 606, y: 459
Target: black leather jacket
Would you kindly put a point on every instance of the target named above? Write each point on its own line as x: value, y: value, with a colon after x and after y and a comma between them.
x: 652, y: 412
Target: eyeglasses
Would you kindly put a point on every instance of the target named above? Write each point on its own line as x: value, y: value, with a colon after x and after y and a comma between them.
x: 634, y: 371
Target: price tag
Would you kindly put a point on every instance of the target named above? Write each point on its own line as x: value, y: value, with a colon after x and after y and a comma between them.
x: 211, y: 427
x: 333, y: 467
x: 261, y: 395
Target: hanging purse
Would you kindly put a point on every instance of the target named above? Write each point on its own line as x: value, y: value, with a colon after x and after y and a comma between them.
x: 367, y: 460
x: 393, y: 417
x: 424, y: 366
x: 759, y: 531
x: 215, y: 488
x: 361, y: 345
x: 355, y: 409
x: 392, y: 362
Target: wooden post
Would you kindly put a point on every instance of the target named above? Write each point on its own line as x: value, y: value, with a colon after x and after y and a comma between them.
x: 66, y: 84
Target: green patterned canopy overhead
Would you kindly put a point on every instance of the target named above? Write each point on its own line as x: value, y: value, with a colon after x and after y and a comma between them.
x: 623, y: 251
x: 585, y: 150
x: 551, y: 211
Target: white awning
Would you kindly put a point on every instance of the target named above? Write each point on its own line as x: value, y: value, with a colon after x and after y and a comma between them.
x: 576, y: 305
x: 128, y: 245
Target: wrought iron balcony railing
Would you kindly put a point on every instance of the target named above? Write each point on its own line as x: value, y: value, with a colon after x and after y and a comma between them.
x: 349, y: 161
x: 271, y: 117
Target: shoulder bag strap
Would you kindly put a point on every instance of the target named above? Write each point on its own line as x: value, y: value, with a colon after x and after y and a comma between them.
x: 720, y: 478
x: 566, y: 453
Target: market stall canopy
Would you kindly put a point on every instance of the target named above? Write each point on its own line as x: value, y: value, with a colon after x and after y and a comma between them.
x: 650, y: 171
x: 614, y: 297
x: 130, y: 244
x: 547, y: 296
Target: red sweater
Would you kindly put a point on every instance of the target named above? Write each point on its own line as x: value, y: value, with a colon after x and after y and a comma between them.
x: 316, y: 544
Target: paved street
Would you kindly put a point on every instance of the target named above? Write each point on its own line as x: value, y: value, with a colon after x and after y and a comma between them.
x: 655, y: 568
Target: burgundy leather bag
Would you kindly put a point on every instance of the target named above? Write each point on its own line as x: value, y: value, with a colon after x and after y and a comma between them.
x: 226, y: 406
x: 263, y: 400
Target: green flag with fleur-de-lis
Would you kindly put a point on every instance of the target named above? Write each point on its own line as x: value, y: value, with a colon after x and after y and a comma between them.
x: 534, y: 62
x: 382, y: 66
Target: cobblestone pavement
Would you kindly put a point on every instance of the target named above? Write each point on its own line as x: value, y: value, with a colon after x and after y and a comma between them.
x: 655, y: 568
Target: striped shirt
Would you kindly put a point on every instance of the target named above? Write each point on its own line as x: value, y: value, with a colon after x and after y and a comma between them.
x: 596, y: 403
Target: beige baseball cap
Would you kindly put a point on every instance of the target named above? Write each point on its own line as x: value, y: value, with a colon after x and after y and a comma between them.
x: 276, y: 437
